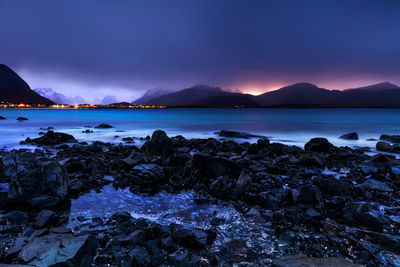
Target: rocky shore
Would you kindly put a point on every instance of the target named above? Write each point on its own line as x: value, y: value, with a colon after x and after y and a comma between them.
x: 322, y: 205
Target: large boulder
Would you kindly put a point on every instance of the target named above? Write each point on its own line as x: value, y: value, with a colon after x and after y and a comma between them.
x: 159, y: 145
x: 148, y: 174
x: 234, y: 134
x: 214, y: 167
x: 52, y: 138
x: 191, y: 237
x: 318, y: 144
x: 59, y: 250
x: 34, y: 182
x: 390, y: 138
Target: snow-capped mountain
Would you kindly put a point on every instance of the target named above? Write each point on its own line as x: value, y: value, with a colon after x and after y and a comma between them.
x: 58, y: 97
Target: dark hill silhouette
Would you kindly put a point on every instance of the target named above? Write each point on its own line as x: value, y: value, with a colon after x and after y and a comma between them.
x: 295, y: 95
x: 376, y: 87
x: 13, y: 89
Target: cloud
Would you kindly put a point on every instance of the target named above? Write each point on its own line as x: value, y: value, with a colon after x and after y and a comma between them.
x: 124, y: 47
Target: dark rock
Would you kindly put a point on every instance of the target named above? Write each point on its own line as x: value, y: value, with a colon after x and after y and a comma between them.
x: 148, y: 174
x: 390, y: 138
x: 134, y: 158
x: 350, y: 136
x: 318, y: 144
x: 333, y: 187
x: 364, y: 214
x: 134, y: 238
x: 2, y: 118
x: 75, y: 186
x: 139, y: 257
x: 159, y: 145
x: 234, y: 134
x: 191, y: 237
x: 103, y: 126
x: 127, y: 139
x: 372, y: 184
x: 52, y: 138
x: 59, y: 250
x: 45, y: 218
x: 37, y: 183
x: 304, y: 261
x: 16, y: 217
x: 216, y: 166
x: 22, y: 119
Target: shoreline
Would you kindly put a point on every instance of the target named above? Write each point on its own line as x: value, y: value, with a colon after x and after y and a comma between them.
x: 321, y: 201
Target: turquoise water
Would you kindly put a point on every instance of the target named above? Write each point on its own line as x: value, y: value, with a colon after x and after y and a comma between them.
x: 295, y: 126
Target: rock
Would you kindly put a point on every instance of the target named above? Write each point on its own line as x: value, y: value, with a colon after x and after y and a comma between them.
x: 364, y: 214
x: 134, y: 158
x: 333, y: 187
x: 139, y: 257
x: 52, y: 138
x: 383, y: 146
x: 37, y: 183
x: 216, y: 166
x: 75, y: 186
x: 350, y: 136
x: 103, y: 126
x: 263, y: 143
x: 234, y: 134
x: 59, y: 250
x: 159, y: 145
x: 318, y: 144
x: 310, y: 194
x: 304, y: 261
x: 16, y: 217
x: 390, y: 138
x: 148, y: 174
x: 372, y: 184
x: 45, y: 218
x: 127, y: 139
x: 2, y: 118
x: 191, y: 237
x: 22, y: 119
x: 243, y: 180
x: 134, y: 238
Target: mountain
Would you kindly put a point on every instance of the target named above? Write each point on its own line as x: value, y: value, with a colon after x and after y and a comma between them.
x: 296, y: 94
x: 13, y: 89
x: 58, y: 97
x: 201, y: 95
x: 150, y: 94
x: 376, y: 87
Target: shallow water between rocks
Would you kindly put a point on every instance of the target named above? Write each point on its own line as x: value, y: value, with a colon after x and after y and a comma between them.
x: 246, y: 232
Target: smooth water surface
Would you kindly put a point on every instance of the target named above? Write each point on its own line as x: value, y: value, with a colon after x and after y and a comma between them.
x: 294, y: 126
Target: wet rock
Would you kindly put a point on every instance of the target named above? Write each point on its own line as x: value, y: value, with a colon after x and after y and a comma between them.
x: 22, y: 119
x: 45, y: 218
x: 75, y: 186
x: 148, y: 174
x: 191, y: 237
x: 386, y: 147
x: 134, y: 238
x: 37, y: 183
x: 333, y: 187
x: 139, y: 257
x: 304, y: 261
x: 127, y: 139
x: 310, y: 194
x: 59, y: 250
x: 243, y: 180
x: 159, y: 145
x: 52, y: 138
x: 318, y: 144
x: 134, y: 158
x: 103, y: 126
x: 372, y: 184
x: 390, y: 138
x: 350, y: 136
x: 364, y: 214
x: 216, y: 166
x: 234, y: 134
x: 2, y: 118
x: 15, y: 217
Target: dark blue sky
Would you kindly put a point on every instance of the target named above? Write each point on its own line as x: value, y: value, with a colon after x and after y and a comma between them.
x: 95, y: 48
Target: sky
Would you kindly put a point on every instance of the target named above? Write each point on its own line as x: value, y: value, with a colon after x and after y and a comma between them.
x: 98, y: 48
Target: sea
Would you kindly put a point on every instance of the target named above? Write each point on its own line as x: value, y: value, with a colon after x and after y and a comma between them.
x: 289, y: 126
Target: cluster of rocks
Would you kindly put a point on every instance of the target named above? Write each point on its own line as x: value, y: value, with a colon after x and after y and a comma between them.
x: 330, y: 205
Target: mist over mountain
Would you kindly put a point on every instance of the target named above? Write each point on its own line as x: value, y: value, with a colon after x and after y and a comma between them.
x: 59, y: 98
x: 13, y: 89
x: 150, y: 94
